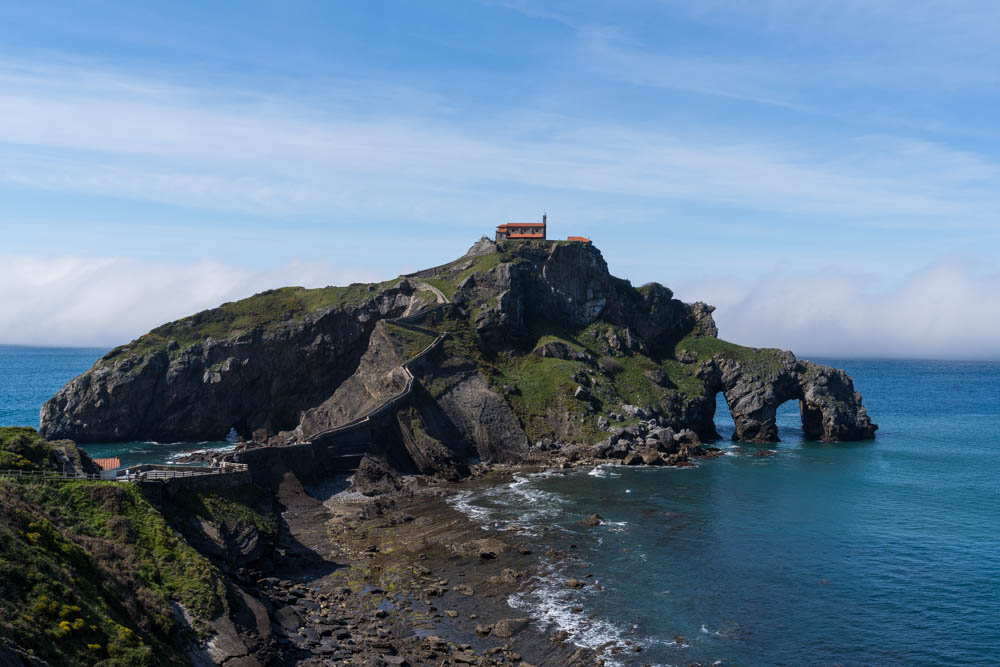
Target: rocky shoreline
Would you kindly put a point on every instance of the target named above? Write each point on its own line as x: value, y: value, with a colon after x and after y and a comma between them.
x: 399, y: 580
x: 407, y: 579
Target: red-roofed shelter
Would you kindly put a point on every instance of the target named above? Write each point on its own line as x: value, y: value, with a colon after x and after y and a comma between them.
x: 110, y: 463
x: 522, y: 230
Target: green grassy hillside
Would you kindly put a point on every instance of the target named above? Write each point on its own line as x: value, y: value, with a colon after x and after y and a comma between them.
x: 90, y: 572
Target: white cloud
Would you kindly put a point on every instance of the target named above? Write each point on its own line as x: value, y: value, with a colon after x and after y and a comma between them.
x: 96, y: 132
x: 949, y: 310
x: 77, y: 301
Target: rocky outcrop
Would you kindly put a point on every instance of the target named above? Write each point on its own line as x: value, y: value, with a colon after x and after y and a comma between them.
x: 568, y: 284
x: 258, y: 381
x: 467, y: 410
x: 755, y: 387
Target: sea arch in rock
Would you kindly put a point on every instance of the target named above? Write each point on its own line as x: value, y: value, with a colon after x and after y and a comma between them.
x: 754, y: 389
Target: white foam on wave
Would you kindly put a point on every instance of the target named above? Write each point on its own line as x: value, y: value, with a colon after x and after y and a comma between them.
x: 604, y: 471
x: 542, y: 474
x: 205, y: 450
x: 617, y: 526
x: 462, y: 502
x: 519, y: 504
x: 550, y: 603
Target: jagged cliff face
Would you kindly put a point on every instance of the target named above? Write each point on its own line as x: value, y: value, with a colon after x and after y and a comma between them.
x: 544, y: 345
x: 258, y: 380
x: 568, y: 284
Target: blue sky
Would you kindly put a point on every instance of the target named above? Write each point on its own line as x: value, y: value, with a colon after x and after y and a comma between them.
x: 824, y: 172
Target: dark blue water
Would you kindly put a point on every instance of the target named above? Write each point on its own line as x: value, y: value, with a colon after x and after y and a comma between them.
x: 29, y: 376
x: 876, y: 553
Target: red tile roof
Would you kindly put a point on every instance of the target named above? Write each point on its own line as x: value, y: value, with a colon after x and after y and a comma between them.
x: 110, y: 463
x: 539, y: 225
x: 581, y: 239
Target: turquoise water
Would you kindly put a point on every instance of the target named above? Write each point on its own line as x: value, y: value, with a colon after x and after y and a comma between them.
x: 876, y: 553
x: 884, y: 552
x: 29, y: 376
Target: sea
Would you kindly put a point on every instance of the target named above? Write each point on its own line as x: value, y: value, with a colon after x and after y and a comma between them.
x: 883, y: 552
x: 29, y: 376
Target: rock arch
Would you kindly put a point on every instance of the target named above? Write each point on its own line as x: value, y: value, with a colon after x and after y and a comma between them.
x: 754, y: 388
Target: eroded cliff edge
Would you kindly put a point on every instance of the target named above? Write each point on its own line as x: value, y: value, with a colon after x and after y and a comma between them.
x: 543, y: 345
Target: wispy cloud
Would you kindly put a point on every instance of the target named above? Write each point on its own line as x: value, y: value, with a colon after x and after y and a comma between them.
x: 114, y: 135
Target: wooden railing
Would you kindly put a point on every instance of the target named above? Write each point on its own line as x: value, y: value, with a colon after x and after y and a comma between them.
x: 133, y: 474
x: 149, y: 471
x: 48, y: 475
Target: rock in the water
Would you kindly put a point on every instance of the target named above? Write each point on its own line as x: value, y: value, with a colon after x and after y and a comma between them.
x: 652, y: 457
x: 687, y: 437
x: 592, y: 520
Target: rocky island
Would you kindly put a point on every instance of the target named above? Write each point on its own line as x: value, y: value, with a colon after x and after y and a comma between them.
x: 539, y: 345
x: 517, y: 354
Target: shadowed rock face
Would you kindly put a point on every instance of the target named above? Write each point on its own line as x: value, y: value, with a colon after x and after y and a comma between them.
x: 486, y: 396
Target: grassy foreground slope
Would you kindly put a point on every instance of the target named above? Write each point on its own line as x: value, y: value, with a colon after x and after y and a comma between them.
x: 91, y: 573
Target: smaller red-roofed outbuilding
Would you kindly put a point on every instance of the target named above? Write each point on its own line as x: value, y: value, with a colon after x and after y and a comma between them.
x: 109, y: 463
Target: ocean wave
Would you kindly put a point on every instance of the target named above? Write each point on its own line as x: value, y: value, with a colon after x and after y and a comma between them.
x: 604, y: 471
x: 551, y: 604
x: 517, y: 505
x: 462, y: 502
x: 203, y: 450
x: 617, y: 526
